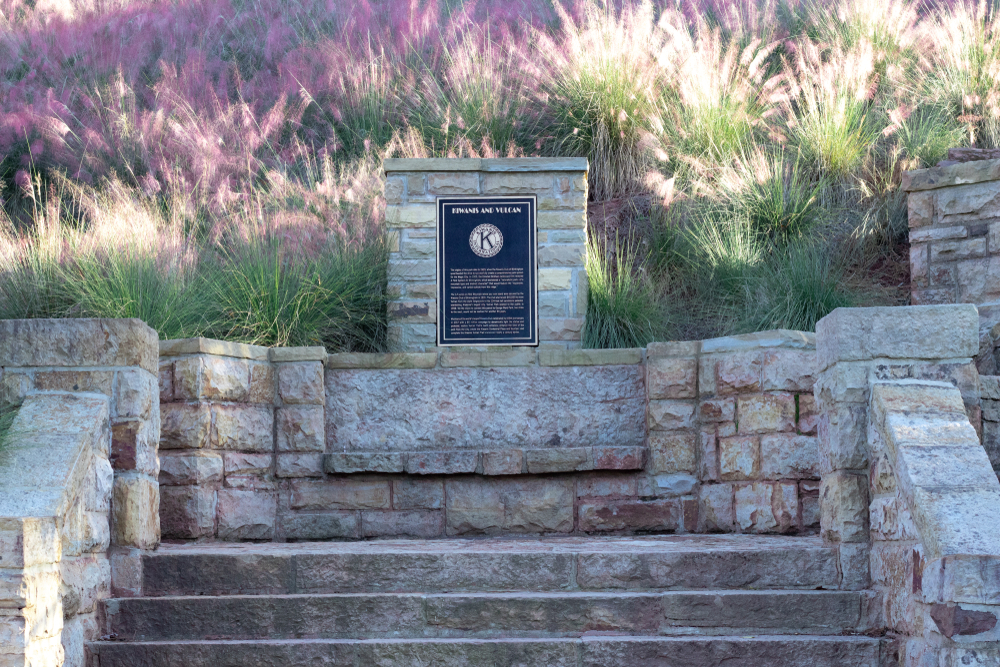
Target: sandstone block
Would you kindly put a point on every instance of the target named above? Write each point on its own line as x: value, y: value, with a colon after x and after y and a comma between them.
x: 785, y: 505
x: 670, y: 415
x: 621, y: 515
x: 182, y: 468
x: 518, y: 184
x: 246, y: 515
x: 298, y: 464
x: 240, y: 463
x: 560, y: 328
x: 441, y: 463
x: 321, y: 526
x: 731, y: 373
x: 715, y: 508
x: 672, y: 452
x: 717, y: 410
x: 919, y: 264
x: 78, y: 343
x: 281, y: 355
x: 554, y: 279
x: 788, y: 370
x: 243, y: 428
x: 187, y: 512
x: 135, y: 512
x: 339, y: 494
x: 754, y: 513
x: 920, y: 207
x: 418, y: 249
x: 135, y: 394
x: 453, y: 183
x: 134, y: 446
x: 844, y: 507
x: 90, y: 381
x: 413, y: 523
x: 671, y: 378
x: 619, y: 458
x: 553, y: 304
x: 555, y: 219
x: 166, y: 381
x: 411, y: 215
x: 739, y: 458
x: 765, y: 413
x: 708, y: 457
x: 522, y: 505
x: 789, y: 456
x: 351, y: 462
x: 184, y: 426
x: 395, y: 187
x: 562, y: 254
x: 561, y: 357
x: 411, y: 494
x: 301, y: 382
x: 300, y: 429
x: 606, y: 484
x: 939, y: 234
x: 843, y: 437
x: 414, y: 270
x: 559, y: 460
x: 505, y: 462
x: 213, y: 378
x: 808, y: 414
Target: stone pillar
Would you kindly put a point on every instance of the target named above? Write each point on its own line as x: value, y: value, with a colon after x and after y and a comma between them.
x: 411, y: 188
x: 859, y: 346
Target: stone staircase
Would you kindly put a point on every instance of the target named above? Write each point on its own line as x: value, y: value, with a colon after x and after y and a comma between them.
x: 667, y: 601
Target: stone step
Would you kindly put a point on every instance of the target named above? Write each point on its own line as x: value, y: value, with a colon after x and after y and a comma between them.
x: 554, y: 614
x: 672, y: 562
x: 774, y: 651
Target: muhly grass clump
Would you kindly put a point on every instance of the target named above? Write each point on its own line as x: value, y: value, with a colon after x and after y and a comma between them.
x: 215, y: 166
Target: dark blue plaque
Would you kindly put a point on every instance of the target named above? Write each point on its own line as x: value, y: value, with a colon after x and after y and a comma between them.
x: 487, y: 276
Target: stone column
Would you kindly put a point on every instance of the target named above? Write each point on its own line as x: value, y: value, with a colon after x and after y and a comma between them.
x: 859, y: 346
x: 411, y: 188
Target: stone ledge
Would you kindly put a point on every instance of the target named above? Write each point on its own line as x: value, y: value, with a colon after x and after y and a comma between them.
x: 784, y: 338
x: 964, y: 173
x: 395, y: 360
x: 219, y: 348
x: 488, y: 358
x: 609, y: 357
x: 281, y: 354
x: 486, y: 164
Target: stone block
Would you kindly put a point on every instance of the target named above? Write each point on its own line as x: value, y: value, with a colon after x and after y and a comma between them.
x: 166, y: 381
x: 671, y: 378
x: 220, y: 348
x: 554, y: 279
x: 920, y: 207
x: 939, y: 234
x: 413, y: 523
x: 135, y: 394
x: 753, y: 508
x: 717, y: 410
x: 606, y: 485
x: 241, y: 463
x: 562, y: 254
x: 212, y: 378
x: 919, y: 264
x: 518, y: 184
x: 559, y: 460
x: 739, y: 458
x: 182, y: 468
x: 245, y: 428
x: 298, y: 464
x: 509, y: 505
x: 134, y: 446
x: 281, y: 355
x: 555, y: 219
x: 184, y: 426
x: 135, y: 512
x: 414, y: 270
x: 442, y: 463
x: 497, y: 358
x: 324, y: 526
x: 619, y: 458
x: 716, y: 511
x: 505, y: 462
x: 785, y: 505
x: 673, y: 452
x: 246, y: 515
x: 351, y: 462
x: 416, y: 312
x: 708, y: 457
x: 808, y: 414
x: 670, y: 415
x: 562, y: 357
x: 411, y: 215
x: 789, y: 456
x: 403, y: 360
x: 765, y: 413
x: 419, y: 249
x: 730, y: 373
x: 914, y: 332
x: 187, y: 512
x: 629, y: 515
x: 300, y: 429
x: 553, y: 304
x: 395, y: 188
x: 560, y: 328
x: 844, y: 507
x: 788, y: 370
x: 453, y: 183
x: 340, y: 493
x: 78, y: 343
x: 301, y: 383
x: 947, y: 251
x: 673, y: 484
x: 411, y: 494
x: 90, y: 381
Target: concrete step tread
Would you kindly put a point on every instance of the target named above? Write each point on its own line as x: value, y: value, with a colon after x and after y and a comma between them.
x: 536, y: 614
x: 595, y: 651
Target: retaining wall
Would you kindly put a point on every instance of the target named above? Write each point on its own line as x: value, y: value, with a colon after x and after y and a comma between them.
x: 290, y: 444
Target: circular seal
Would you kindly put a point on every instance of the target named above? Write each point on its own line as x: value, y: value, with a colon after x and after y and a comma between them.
x: 486, y: 240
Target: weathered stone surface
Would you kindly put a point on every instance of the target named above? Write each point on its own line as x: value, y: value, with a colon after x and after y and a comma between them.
x: 563, y: 459
x: 246, y: 515
x: 472, y: 358
x: 78, y: 342
x: 605, y: 484
x: 301, y: 382
x: 340, y: 493
x: 844, y: 506
x: 672, y: 452
x: 523, y: 505
x: 184, y: 426
x: 717, y: 410
x: 402, y: 360
x: 753, y: 508
x: 668, y: 377
x: 716, y: 511
x: 240, y: 463
x: 411, y: 523
x: 619, y: 458
x: 179, y: 468
x: 300, y: 429
x: 671, y: 415
x: 325, y: 526
x: 134, y: 446
x: 365, y: 462
x: 409, y: 493
x: 298, y: 464
x: 788, y: 370
x: 135, y: 515
x: 243, y: 428
x: 730, y: 373
x: 739, y: 458
x: 220, y: 348
x: 89, y: 381
x: 915, y: 332
x: 441, y: 463
x: 210, y: 377
x: 187, y: 512
x: 560, y: 328
x: 559, y: 357
x: 789, y: 456
x: 503, y: 462
x: 412, y: 410
x: 765, y: 413
x: 617, y: 515
x: 963, y: 173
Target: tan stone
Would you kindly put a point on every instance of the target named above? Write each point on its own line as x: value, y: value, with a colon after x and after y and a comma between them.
x: 844, y: 507
x: 554, y: 279
x: 453, y: 183
x: 672, y: 452
x: 179, y: 468
x: 717, y: 410
x: 788, y: 370
x: 562, y: 254
x: 262, y: 385
x: 559, y: 459
x: 552, y: 328
x: 509, y: 505
x: 492, y: 358
x: 411, y: 215
x: 184, y: 426
x: 300, y: 429
x: 518, y: 184
x: 298, y: 464
x: 187, y: 512
x: 240, y: 463
x: 78, y: 343
x: 135, y: 513
x: 754, y: 513
x: 505, y: 462
x: 739, y: 458
x: 789, y: 456
x: 708, y: 458
x: 246, y: 515
x: 136, y: 393
x: 219, y: 348
x: 715, y: 508
x: 395, y: 187
x: 301, y: 382
x: 292, y: 354
x: 242, y: 428
x: 559, y: 357
x: 413, y: 249
x: 921, y: 209
x: 668, y: 377
x: 670, y: 415
x: 409, y: 493
x: 166, y: 381
x: 89, y: 381
x: 347, y: 360
x: 414, y: 270
x: 765, y: 413
x: 340, y: 494
x: 939, y: 234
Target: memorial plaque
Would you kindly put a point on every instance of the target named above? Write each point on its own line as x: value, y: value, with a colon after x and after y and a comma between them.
x: 487, y: 277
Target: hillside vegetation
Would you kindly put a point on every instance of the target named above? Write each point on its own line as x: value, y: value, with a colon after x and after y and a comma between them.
x: 214, y: 167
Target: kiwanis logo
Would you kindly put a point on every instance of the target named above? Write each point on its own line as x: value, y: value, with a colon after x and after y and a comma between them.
x: 486, y: 240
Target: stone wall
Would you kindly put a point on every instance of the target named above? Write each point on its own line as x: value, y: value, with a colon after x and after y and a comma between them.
x: 411, y: 188
x: 78, y: 491
x: 935, y: 536
x: 267, y: 445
